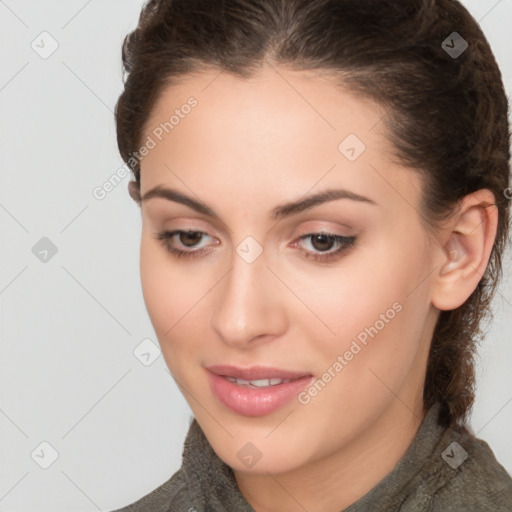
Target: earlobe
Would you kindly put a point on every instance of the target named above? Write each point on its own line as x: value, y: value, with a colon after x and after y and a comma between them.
x: 465, y: 254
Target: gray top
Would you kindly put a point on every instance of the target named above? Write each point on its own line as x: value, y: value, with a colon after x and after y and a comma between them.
x: 443, y: 470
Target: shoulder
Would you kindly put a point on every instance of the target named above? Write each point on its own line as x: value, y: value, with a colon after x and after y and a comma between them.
x: 469, y: 477
x: 172, y: 493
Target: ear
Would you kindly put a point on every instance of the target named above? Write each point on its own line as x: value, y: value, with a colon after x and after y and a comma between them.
x: 465, y: 250
x: 134, y: 191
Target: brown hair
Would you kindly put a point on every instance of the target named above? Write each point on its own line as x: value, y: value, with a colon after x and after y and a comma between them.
x: 447, y: 115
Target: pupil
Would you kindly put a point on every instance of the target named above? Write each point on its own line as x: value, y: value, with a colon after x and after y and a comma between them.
x: 325, y: 242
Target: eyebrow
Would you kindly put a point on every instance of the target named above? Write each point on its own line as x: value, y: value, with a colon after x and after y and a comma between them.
x: 279, y: 212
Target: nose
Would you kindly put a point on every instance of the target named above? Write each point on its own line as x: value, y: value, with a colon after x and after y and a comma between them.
x: 248, y: 306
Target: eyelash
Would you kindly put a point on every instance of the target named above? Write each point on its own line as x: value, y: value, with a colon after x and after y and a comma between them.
x: 346, y: 243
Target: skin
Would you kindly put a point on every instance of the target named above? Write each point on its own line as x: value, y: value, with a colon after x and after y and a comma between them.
x: 247, y: 147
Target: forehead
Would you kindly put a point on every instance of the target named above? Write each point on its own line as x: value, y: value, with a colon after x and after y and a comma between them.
x: 278, y: 130
x: 278, y: 97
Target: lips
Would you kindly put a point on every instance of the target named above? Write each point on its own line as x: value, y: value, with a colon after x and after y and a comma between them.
x: 255, y: 391
x: 255, y: 372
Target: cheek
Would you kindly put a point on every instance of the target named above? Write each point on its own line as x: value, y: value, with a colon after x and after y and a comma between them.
x: 167, y: 291
x: 176, y: 300
x: 377, y: 298
x: 155, y: 285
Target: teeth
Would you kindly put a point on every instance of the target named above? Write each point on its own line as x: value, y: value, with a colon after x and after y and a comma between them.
x: 258, y: 383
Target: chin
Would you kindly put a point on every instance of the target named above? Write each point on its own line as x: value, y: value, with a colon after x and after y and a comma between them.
x: 256, y: 446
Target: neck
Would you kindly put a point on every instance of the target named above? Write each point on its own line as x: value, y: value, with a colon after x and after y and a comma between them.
x: 334, y: 482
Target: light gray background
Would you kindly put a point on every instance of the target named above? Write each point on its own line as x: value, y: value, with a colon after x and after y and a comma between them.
x: 69, y: 326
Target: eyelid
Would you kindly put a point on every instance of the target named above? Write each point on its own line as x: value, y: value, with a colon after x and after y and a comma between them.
x: 325, y: 226
x: 160, y: 214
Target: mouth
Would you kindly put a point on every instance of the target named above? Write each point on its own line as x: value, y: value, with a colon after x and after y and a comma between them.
x: 257, y: 383
x: 256, y: 376
x: 257, y: 390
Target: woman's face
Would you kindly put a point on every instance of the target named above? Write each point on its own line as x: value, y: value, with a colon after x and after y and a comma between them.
x: 341, y: 325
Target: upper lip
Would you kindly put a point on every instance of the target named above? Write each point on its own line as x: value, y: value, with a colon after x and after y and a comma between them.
x: 255, y: 372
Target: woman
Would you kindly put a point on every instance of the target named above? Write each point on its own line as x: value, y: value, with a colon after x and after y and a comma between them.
x: 324, y: 191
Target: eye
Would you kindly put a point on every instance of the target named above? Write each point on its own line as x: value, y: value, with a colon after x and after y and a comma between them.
x: 185, y: 239
x: 321, y: 245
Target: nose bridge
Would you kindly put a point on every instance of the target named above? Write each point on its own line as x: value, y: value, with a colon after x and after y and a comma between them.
x: 245, y: 306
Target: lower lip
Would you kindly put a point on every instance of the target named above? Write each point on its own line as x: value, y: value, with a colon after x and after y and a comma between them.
x: 255, y: 401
